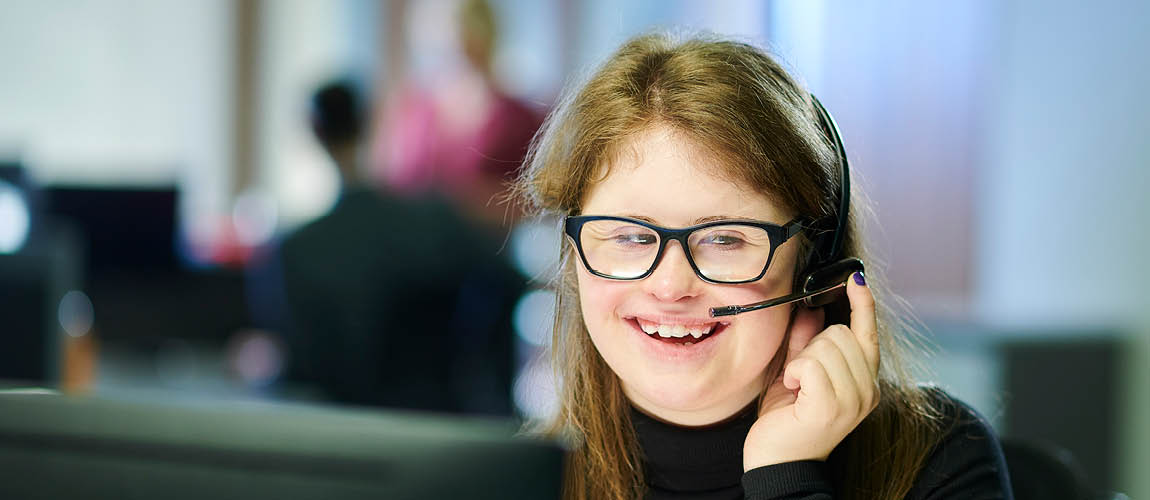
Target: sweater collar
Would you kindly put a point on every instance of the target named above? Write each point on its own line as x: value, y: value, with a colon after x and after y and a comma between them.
x: 690, y: 459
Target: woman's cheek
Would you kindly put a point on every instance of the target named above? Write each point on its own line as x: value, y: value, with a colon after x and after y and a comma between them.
x: 770, y: 329
x: 598, y: 300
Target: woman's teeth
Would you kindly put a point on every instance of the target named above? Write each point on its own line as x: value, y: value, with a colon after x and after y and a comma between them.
x: 676, y: 331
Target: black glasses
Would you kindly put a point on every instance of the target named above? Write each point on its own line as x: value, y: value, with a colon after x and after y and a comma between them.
x: 724, y: 251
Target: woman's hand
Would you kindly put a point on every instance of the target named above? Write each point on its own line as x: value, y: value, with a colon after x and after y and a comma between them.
x: 829, y: 385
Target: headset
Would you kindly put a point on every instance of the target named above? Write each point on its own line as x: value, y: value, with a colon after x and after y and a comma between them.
x: 824, y: 278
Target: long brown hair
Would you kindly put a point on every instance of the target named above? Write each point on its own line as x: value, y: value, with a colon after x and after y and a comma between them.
x: 735, y: 100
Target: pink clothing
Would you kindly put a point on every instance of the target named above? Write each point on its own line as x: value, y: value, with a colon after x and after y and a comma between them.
x: 424, y: 149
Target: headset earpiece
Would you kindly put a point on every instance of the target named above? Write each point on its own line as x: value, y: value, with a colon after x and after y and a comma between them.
x: 828, y: 276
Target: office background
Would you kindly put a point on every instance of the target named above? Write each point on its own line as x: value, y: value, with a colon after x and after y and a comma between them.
x: 1003, y: 145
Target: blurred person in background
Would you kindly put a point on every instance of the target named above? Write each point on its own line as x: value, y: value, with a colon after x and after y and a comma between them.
x: 388, y: 301
x: 712, y: 139
x: 461, y: 134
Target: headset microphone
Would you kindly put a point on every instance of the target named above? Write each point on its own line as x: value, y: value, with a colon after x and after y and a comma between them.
x: 824, y: 279
x: 819, y: 289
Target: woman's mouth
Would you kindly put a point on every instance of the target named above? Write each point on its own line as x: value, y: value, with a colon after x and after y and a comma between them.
x: 679, y: 333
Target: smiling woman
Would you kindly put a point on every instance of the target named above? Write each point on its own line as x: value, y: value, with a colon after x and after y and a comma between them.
x: 686, y: 173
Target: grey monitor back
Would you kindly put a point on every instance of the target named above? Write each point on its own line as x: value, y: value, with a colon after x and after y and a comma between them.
x: 53, y: 446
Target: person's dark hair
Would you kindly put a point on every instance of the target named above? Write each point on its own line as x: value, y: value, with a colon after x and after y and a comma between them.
x: 336, y: 113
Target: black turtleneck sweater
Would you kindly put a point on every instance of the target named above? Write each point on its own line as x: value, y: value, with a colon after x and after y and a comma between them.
x: 707, y: 462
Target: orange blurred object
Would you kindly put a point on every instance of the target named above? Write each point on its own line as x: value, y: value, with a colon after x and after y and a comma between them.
x: 78, y: 363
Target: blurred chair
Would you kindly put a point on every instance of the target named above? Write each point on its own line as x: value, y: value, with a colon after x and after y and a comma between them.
x: 1061, y: 386
x: 1044, y: 472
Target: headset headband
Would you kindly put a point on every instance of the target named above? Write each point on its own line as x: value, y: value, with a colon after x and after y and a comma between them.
x: 827, y: 255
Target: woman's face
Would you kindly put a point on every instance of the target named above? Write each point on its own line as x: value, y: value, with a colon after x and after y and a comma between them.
x: 668, y: 180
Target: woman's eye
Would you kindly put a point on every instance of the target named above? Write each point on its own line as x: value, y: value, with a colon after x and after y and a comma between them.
x: 722, y: 240
x: 635, y: 239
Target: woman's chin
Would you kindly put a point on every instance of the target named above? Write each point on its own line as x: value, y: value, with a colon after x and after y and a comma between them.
x: 684, y: 402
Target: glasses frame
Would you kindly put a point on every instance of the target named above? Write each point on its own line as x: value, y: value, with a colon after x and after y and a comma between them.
x: 573, y: 227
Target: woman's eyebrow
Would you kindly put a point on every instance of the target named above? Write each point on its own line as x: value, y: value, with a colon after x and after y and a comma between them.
x: 710, y: 218
x: 700, y: 220
x: 643, y: 218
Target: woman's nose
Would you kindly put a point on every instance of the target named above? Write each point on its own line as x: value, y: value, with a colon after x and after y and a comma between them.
x: 673, y: 278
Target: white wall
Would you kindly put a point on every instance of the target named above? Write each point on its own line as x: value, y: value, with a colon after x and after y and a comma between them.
x: 301, y: 45
x: 119, y: 91
x: 605, y: 24
x: 1064, y: 183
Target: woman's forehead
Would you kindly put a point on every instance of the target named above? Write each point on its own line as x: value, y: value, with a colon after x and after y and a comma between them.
x: 673, y: 179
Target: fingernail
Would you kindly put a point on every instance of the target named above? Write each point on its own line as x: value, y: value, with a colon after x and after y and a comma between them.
x: 859, y: 279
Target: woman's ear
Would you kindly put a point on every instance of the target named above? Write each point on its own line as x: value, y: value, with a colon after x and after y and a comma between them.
x: 806, y: 322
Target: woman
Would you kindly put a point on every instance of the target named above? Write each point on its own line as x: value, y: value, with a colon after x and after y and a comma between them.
x: 662, y: 400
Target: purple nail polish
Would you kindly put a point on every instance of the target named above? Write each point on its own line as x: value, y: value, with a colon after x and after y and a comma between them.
x: 859, y: 279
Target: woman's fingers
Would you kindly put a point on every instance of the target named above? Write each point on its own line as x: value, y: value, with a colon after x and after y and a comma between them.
x: 863, y: 322
x: 834, y: 356
x: 856, y: 363
x: 816, y: 399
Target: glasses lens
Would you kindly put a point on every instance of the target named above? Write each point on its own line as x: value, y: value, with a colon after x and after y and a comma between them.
x: 730, y: 252
x: 618, y: 249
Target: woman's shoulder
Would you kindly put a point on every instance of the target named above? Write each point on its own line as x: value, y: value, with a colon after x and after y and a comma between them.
x: 967, y: 457
x: 958, y: 422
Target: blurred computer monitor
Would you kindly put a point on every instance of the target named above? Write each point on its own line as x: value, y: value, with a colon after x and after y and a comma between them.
x: 59, y: 447
x: 125, y: 228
